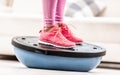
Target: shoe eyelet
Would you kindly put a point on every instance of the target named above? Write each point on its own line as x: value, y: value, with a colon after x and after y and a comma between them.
x: 40, y: 31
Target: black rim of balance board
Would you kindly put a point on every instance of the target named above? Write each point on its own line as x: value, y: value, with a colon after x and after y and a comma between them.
x: 31, y: 43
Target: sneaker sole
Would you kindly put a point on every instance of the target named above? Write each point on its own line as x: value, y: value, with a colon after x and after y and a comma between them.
x: 47, y: 43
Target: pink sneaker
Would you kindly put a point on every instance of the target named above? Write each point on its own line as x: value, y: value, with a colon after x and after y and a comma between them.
x: 69, y: 35
x: 54, y: 37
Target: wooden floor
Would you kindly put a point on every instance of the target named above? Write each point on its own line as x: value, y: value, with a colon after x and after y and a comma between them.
x: 16, y: 68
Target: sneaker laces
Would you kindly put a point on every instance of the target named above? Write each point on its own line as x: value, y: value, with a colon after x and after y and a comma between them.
x: 56, y: 33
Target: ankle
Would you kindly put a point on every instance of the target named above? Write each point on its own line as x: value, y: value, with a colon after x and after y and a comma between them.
x: 59, y: 24
x: 47, y: 28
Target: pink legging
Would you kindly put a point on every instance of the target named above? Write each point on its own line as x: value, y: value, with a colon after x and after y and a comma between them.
x: 53, y: 11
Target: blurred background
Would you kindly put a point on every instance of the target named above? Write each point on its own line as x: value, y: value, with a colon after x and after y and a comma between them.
x: 97, y: 22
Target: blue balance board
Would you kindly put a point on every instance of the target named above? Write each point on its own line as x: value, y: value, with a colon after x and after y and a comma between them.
x: 83, y: 57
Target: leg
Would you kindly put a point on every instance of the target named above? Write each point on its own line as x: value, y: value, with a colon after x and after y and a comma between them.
x: 49, y: 10
x: 60, y: 11
x: 64, y: 28
x: 51, y: 34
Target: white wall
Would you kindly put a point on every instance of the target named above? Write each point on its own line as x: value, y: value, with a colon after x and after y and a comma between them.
x: 27, y: 6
